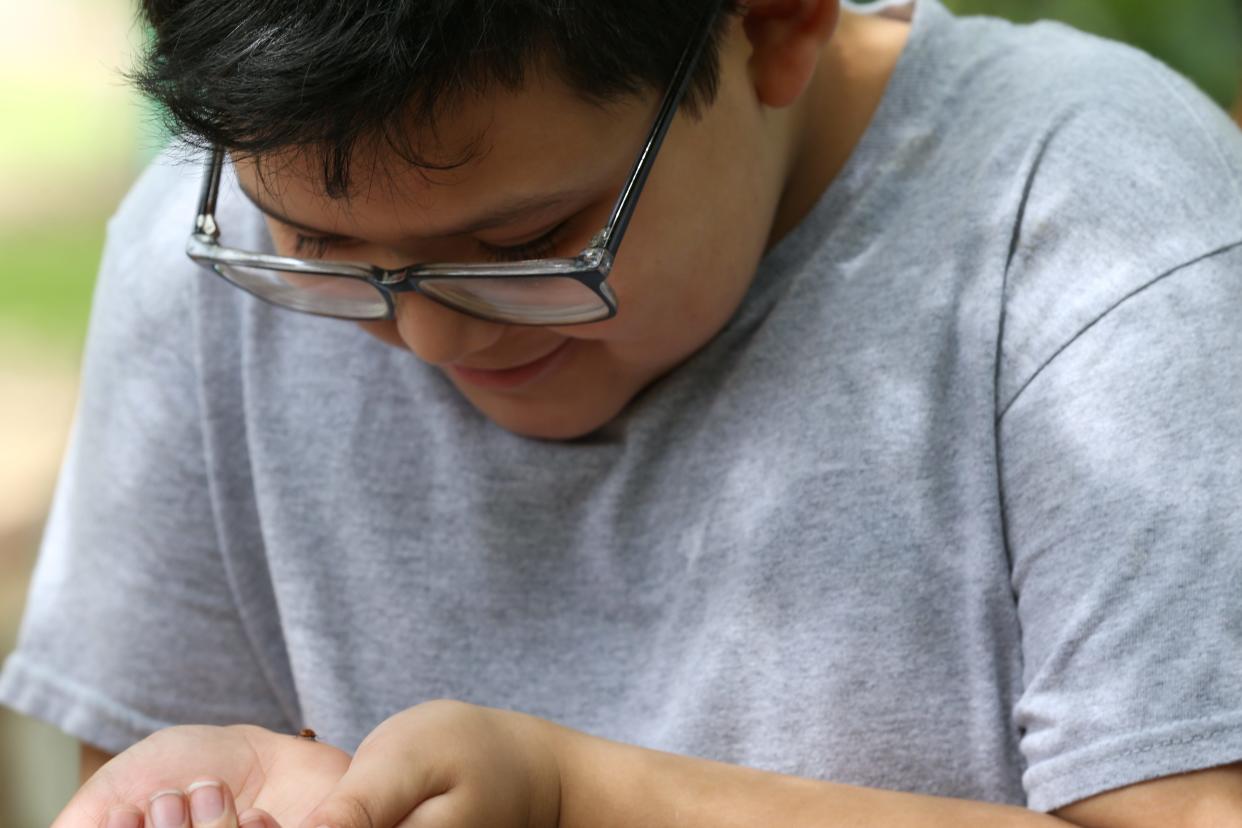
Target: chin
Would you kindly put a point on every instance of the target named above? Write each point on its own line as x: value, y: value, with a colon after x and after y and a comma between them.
x: 548, y: 419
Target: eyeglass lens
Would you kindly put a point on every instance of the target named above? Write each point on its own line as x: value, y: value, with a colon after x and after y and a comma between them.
x: 549, y: 300
x: 539, y: 300
x: 324, y: 295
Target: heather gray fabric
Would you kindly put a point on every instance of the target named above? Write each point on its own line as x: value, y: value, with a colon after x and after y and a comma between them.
x: 950, y: 506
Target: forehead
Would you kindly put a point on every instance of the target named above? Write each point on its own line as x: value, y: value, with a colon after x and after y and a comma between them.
x: 540, y: 139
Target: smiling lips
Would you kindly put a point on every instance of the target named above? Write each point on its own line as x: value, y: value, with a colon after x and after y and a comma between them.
x: 511, y: 378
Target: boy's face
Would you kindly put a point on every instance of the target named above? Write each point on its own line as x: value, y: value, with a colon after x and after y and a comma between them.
x: 701, y: 226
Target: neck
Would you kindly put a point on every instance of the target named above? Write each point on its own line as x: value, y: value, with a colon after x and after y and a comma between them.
x: 829, y: 120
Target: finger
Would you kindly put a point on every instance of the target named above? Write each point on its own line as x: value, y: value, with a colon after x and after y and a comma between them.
x: 124, y: 817
x: 167, y: 809
x: 211, y: 805
x: 257, y: 818
x: 379, y: 790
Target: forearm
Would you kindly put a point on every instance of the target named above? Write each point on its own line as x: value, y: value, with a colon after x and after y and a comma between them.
x: 609, y: 785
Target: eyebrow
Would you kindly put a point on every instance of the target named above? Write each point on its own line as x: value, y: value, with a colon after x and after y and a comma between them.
x: 500, y: 215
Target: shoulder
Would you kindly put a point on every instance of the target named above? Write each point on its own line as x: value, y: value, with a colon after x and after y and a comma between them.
x: 1046, y: 82
x: 1117, y: 172
x: 148, y: 289
x: 148, y: 335
x: 144, y: 266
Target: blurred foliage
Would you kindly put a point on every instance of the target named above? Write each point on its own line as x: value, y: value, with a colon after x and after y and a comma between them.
x: 49, y: 273
x: 1202, y: 39
x: 71, y: 144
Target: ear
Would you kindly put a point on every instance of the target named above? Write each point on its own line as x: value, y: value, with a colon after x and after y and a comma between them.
x: 785, y: 38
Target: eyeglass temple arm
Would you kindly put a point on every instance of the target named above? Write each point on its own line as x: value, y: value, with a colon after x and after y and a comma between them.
x: 623, y: 210
x: 205, y: 221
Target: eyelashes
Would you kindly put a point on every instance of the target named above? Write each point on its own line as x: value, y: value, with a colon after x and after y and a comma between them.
x: 539, y: 248
x: 313, y: 247
x: 316, y: 247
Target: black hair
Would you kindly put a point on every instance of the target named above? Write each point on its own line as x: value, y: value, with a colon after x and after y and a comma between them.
x: 257, y: 76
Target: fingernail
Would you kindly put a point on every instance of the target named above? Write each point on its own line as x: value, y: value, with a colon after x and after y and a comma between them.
x: 206, y: 801
x: 124, y: 819
x: 252, y: 818
x: 168, y: 809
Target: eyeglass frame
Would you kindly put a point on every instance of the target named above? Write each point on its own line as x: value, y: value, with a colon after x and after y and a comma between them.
x: 591, y: 267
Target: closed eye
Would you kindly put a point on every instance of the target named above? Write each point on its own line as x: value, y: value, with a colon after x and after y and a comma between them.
x: 312, y: 247
x: 540, y: 248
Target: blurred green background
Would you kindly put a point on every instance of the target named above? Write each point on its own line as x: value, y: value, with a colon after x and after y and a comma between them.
x: 74, y: 137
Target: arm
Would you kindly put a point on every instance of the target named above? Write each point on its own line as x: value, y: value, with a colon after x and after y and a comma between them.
x: 605, y: 784
x: 453, y: 765
x: 446, y: 764
x: 610, y: 785
x: 1209, y: 798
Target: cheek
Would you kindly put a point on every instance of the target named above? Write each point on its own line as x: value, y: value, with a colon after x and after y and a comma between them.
x: 680, y: 287
x: 695, y: 243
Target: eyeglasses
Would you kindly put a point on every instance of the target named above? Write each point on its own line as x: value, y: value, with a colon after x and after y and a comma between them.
x: 552, y: 291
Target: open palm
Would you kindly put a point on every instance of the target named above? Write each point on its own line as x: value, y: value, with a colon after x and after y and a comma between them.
x: 281, y: 774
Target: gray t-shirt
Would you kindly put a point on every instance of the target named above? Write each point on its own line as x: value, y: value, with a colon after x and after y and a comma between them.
x: 951, y: 505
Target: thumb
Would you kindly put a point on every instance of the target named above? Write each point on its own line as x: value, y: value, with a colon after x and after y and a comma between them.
x: 379, y: 790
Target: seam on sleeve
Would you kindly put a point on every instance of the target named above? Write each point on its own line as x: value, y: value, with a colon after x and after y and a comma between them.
x: 1184, y: 265
x: 1148, y: 747
x: 1015, y: 238
x: 1093, y: 769
x: 1187, y: 740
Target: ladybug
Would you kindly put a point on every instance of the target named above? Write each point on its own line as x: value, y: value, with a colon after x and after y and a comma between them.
x: 307, y: 733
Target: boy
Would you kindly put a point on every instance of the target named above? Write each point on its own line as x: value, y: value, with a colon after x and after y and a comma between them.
x: 889, y: 477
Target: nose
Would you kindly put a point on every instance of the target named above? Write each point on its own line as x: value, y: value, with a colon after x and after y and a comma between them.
x: 440, y: 335
x: 435, y: 333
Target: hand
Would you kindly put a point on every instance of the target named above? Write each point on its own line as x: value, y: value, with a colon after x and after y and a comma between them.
x: 448, y: 764
x: 275, y: 776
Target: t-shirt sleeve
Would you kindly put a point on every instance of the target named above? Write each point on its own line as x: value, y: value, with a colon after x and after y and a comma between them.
x: 1122, y: 480
x: 131, y: 623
